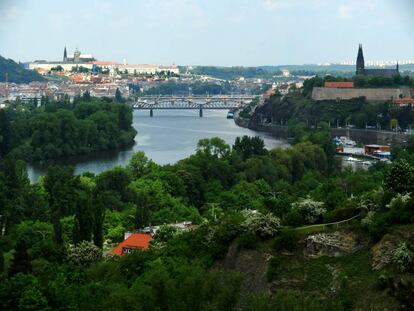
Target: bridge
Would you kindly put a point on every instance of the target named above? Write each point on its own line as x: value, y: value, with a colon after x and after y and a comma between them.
x: 228, y: 102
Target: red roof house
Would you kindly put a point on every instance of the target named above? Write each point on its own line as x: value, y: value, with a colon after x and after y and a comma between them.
x: 341, y: 85
x: 136, y: 241
x: 404, y: 101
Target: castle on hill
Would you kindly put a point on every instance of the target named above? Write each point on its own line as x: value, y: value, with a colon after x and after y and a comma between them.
x: 361, y: 70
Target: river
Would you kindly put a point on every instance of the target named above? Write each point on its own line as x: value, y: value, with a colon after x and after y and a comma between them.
x: 166, y: 138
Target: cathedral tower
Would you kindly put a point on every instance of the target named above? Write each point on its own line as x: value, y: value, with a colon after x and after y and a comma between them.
x: 65, y: 56
x: 360, y: 64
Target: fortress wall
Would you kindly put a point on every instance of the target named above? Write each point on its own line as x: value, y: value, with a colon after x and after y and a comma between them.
x: 383, y: 94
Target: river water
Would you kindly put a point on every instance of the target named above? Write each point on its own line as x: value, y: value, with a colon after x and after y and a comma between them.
x: 166, y: 138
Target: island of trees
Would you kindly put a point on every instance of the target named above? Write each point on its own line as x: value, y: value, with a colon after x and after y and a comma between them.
x: 53, y: 129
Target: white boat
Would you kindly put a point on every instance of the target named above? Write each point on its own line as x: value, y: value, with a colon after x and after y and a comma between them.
x: 352, y: 159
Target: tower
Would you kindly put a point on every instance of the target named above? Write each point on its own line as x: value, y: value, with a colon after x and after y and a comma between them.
x: 360, y: 63
x: 76, y: 56
x: 65, y: 55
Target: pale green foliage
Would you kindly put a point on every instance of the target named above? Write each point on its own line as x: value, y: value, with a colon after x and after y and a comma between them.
x: 310, y: 209
x: 88, y: 182
x: 368, y: 219
x: 215, y: 147
x: 84, y: 254
x: 399, y: 200
x: 140, y: 165
x: 263, y: 225
x: 403, y: 256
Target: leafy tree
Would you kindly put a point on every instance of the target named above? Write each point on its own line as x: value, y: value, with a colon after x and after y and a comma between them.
x: 118, y: 96
x: 21, y: 259
x: 401, y: 177
x: 5, y: 134
x: 249, y: 146
x: 139, y: 165
x: 213, y: 147
x: 59, y: 184
x: 84, y: 254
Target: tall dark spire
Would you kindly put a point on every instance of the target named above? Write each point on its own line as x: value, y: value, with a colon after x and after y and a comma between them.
x: 360, y: 64
x: 65, y: 55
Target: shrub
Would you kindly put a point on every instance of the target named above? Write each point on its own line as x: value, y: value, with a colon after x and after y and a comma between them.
x: 311, y: 210
x: 403, y: 256
x: 340, y: 214
x: 84, y: 254
x: 383, y: 282
x: 264, y: 226
x: 247, y: 241
x: 274, y: 264
x: 285, y: 241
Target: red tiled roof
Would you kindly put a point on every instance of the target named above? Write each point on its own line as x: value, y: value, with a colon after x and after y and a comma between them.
x: 339, y: 84
x: 404, y: 101
x: 134, y: 241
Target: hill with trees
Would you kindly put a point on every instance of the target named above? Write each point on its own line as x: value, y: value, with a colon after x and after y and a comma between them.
x: 272, y: 230
x: 16, y: 73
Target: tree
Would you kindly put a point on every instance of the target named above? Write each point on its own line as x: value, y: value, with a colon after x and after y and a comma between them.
x: 249, y: 146
x: 84, y: 254
x: 86, y: 96
x: 83, y: 216
x: 401, y: 177
x: 21, y: 259
x: 118, y: 96
x: 59, y: 184
x: 213, y: 147
x: 5, y: 134
x: 139, y: 165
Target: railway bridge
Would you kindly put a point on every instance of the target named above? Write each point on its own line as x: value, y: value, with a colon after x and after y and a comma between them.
x: 228, y: 102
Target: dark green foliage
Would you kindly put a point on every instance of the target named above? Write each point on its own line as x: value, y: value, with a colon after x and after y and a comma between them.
x: 16, y: 73
x: 249, y: 146
x: 272, y: 269
x: 286, y: 240
x: 59, y: 129
x: 5, y: 134
x: 21, y: 259
x: 60, y: 186
x: 247, y: 241
x: 230, y: 73
x: 400, y: 178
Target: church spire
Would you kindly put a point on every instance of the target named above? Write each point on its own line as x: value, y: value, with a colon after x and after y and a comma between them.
x: 360, y: 63
x: 65, y: 55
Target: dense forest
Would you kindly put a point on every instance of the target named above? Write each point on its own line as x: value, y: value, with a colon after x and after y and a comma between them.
x: 254, y: 211
x: 16, y: 73
x: 52, y: 129
x: 196, y: 88
x: 232, y: 73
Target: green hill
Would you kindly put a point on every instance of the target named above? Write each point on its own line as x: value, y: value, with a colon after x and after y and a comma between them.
x: 17, y: 73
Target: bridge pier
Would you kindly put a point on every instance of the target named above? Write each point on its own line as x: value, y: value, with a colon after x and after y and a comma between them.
x: 151, y: 113
x: 200, y: 112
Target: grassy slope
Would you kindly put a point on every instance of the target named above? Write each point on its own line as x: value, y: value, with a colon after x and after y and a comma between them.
x: 324, y: 279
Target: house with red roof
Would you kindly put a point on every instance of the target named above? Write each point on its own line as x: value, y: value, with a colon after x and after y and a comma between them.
x: 136, y: 241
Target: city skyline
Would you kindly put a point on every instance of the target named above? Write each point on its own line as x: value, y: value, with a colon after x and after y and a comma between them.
x: 191, y: 32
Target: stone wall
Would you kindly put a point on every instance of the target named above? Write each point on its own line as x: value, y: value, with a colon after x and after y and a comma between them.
x: 383, y: 94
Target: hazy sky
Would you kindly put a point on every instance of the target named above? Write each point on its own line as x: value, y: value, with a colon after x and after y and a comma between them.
x: 208, y: 32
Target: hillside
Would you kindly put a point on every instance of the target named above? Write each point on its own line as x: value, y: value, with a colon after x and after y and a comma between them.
x: 17, y: 74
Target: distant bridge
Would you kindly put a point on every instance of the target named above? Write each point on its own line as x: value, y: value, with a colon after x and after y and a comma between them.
x: 227, y: 102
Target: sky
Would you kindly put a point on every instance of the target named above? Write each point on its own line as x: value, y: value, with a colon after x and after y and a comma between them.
x: 208, y: 32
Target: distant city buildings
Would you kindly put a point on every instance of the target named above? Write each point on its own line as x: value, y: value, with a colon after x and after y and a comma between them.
x: 78, y: 60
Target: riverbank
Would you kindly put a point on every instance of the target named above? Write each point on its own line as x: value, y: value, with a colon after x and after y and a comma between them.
x: 364, y: 136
